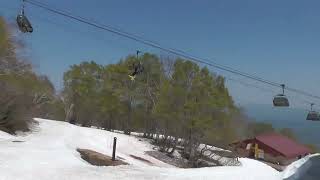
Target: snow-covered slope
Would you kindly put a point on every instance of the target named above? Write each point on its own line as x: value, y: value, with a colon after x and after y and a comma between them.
x: 50, y: 153
x: 5, y: 136
x: 298, y: 167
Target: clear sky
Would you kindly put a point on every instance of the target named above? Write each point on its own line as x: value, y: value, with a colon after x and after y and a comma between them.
x: 278, y: 40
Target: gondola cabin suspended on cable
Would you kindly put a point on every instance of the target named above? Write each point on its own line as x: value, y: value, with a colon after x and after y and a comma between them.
x: 281, y: 100
x: 23, y: 22
x: 313, y: 115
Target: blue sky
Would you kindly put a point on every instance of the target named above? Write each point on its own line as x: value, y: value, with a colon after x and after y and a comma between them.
x: 276, y: 40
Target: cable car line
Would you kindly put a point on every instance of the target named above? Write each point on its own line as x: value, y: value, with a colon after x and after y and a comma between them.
x: 153, y: 44
x: 169, y: 50
x: 272, y: 91
x: 249, y: 85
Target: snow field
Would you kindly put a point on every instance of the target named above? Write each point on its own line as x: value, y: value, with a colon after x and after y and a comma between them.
x: 49, y: 152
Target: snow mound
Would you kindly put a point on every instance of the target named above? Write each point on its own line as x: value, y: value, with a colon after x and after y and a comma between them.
x: 298, y: 167
x: 50, y: 153
x: 5, y: 136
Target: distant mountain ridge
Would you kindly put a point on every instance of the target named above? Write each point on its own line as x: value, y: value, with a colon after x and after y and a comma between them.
x: 306, y: 131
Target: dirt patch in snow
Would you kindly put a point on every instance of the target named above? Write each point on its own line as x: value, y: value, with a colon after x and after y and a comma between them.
x: 98, y: 159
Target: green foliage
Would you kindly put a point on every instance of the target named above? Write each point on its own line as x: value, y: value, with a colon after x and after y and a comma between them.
x: 288, y: 133
x: 176, y: 100
x: 188, y: 102
x: 24, y: 94
x: 258, y: 128
x: 5, y: 43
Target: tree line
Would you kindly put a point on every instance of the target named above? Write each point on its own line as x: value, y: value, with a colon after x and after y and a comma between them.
x: 24, y: 94
x: 171, y: 99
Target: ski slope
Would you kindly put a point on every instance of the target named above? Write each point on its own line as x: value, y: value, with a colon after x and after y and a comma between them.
x: 49, y: 152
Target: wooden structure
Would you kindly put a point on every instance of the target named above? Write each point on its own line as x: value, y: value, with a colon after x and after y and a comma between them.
x: 273, y: 148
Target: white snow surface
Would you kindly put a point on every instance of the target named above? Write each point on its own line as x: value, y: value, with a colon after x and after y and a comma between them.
x: 49, y: 152
x: 5, y: 136
x: 295, y: 167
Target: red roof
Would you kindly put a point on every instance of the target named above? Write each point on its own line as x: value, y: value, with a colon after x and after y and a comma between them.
x: 283, y: 145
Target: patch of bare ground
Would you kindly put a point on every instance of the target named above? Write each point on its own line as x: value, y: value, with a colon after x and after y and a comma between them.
x: 140, y: 158
x: 98, y: 159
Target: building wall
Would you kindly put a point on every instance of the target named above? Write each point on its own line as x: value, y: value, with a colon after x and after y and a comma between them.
x: 262, y: 146
x: 267, y: 149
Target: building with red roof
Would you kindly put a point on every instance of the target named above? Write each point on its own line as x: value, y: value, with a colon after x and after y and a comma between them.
x: 272, y: 146
x: 282, y: 145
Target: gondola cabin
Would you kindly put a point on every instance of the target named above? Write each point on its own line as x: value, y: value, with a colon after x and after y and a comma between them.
x: 280, y: 100
x: 313, y: 116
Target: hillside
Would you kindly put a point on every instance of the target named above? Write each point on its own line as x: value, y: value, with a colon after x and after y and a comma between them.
x: 49, y: 152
